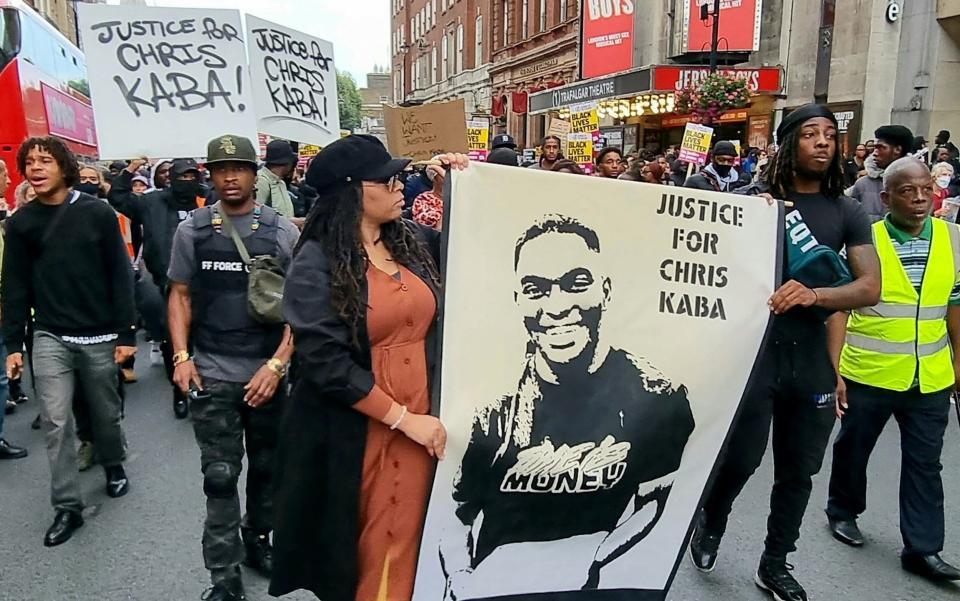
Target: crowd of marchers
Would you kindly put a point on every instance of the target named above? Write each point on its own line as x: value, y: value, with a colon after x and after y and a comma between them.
x: 326, y: 392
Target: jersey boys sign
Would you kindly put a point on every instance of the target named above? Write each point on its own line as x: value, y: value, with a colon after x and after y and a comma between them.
x: 607, y: 41
x: 579, y: 443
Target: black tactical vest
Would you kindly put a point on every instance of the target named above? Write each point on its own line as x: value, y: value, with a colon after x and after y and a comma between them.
x: 221, y: 324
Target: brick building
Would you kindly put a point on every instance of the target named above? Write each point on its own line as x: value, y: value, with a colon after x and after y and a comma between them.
x: 441, y: 51
x: 377, y: 93
x: 535, y: 47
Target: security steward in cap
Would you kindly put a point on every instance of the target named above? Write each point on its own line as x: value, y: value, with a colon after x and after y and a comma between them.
x: 900, y: 359
x: 238, y: 370
x: 160, y: 212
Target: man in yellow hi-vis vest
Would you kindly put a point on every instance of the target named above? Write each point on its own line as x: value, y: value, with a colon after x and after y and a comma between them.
x: 899, y: 360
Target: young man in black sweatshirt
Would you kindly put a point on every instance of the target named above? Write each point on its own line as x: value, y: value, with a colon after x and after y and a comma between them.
x: 66, y: 261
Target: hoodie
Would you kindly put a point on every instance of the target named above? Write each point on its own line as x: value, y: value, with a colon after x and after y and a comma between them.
x: 867, y: 190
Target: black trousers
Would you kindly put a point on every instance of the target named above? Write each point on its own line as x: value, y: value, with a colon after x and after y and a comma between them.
x: 801, y: 431
x: 923, y: 420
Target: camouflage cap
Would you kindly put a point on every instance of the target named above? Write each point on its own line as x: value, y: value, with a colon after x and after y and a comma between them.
x: 229, y: 147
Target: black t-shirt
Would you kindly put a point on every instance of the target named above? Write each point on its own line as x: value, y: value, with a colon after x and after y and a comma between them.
x: 556, y: 461
x: 837, y: 223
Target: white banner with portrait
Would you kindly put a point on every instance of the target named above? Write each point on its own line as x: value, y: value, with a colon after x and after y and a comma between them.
x: 598, y: 336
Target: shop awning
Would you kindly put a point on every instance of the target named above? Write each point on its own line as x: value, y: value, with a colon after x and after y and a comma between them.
x: 656, y: 79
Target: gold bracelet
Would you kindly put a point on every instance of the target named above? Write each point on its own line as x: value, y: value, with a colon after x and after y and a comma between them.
x: 277, y: 367
x: 180, y: 357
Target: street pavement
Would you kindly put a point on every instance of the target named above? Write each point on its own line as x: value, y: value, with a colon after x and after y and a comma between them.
x: 146, y: 545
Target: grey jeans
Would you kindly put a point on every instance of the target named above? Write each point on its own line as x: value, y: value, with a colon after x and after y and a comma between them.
x: 58, y: 368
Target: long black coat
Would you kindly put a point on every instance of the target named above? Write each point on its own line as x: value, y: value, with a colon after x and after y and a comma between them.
x: 322, y: 442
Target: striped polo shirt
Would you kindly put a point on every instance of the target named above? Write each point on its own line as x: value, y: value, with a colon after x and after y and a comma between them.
x: 913, y: 253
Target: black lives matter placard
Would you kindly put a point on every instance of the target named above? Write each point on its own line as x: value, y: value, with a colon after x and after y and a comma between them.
x: 163, y: 81
x: 294, y: 83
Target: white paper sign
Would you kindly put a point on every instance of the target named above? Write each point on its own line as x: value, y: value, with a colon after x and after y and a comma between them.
x: 165, y: 81
x: 294, y: 83
x: 590, y: 374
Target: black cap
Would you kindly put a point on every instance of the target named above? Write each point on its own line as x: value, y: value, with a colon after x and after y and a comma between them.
x: 358, y: 157
x: 896, y: 135
x: 504, y: 141
x: 504, y: 156
x: 279, y: 152
x: 181, y: 166
x: 118, y: 165
x: 724, y: 149
x: 798, y: 117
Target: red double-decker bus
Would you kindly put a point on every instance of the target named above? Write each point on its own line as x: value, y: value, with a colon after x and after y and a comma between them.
x: 43, y: 87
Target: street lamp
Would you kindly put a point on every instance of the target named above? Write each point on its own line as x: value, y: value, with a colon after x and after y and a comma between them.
x: 715, y: 35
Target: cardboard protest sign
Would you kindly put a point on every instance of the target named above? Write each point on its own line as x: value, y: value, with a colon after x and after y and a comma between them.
x: 584, y: 118
x: 422, y: 132
x: 478, y: 140
x: 580, y: 150
x: 165, y: 81
x: 582, y: 429
x: 294, y: 83
x: 559, y: 128
x: 696, y: 143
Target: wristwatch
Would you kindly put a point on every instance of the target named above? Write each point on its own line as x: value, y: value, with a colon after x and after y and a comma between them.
x: 180, y: 357
x: 277, y: 366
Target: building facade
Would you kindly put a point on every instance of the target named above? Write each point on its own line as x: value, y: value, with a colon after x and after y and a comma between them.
x: 873, y: 62
x: 535, y: 47
x: 377, y: 94
x: 441, y: 51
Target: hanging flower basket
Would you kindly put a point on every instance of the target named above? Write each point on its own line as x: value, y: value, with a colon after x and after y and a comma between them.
x: 715, y: 95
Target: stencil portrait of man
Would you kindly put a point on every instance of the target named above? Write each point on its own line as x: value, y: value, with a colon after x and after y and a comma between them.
x: 586, y: 446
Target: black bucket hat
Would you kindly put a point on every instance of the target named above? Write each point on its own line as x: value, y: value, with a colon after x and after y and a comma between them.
x: 358, y: 157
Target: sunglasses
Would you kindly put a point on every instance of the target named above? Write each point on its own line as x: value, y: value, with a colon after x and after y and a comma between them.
x: 398, y: 178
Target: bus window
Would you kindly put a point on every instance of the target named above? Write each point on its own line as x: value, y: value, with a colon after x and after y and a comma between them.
x: 9, y: 36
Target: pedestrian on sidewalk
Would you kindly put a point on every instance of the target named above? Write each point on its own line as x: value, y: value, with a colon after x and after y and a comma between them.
x: 910, y: 379
x: 7, y: 450
x: 357, y: 455
x: 66, y: 262
x: 795, y: 382
x: 160, y: 212
x: 237, y: 374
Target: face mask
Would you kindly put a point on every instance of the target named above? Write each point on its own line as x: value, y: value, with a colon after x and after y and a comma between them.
x: 943, y: 181
x: 185, y: 189
x: 722, y: 170
x: 88, y: 188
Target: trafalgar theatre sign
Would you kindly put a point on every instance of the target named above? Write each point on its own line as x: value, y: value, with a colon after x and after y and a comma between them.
x: 654, y: 79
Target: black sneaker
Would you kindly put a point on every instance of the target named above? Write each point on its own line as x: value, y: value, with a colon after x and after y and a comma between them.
x: 259, y: 553
x: 775, y: 578
x: 704, y: 547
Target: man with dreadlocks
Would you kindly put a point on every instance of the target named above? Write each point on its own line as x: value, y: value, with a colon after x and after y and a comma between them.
x: 237, y: 372
x: 796, y: 382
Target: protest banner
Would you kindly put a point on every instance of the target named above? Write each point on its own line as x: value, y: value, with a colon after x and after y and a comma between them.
x: 307, y: 152
x: 559, y: 128
x: 580, y: 150
x: 294, y: 83
x: 584, y: 118
x: 578, y: 452
x: 165, y: 81
x: 478, y: 140
x: 696, y: 144
x: 422, y: 132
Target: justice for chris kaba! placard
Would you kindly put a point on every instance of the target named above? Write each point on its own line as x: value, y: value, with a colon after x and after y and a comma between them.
x: 598, y: 336
x: 164, y: 81
x: 294, y: 83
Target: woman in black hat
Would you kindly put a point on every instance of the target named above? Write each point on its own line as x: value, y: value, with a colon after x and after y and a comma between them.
x: 357, y: 454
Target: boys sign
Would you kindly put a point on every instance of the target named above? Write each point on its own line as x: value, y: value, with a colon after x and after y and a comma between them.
x: 294, y: 83
x: 165, y: 80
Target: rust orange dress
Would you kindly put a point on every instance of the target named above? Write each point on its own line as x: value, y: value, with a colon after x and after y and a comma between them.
x: 396, y: 471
